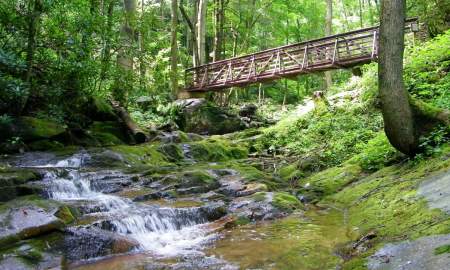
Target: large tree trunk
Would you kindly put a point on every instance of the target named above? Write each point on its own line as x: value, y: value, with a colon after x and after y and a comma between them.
x: 201, y: 31
x: 174, y: 49
x: 125, y: 63
x: 405, y: 118
x: 328, y: 32
x: 397, y: 113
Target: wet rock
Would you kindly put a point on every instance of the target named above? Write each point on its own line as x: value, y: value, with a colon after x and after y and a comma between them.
x: 15, y: 183
x: 155, y: 196
x: 235, y: 187
x: 437, y: 191
x: 82, y: 243
x: 412, y: 255
x: 256, y: 207
x: 26, y: 222
x: 194, y: 262
x: 105, y: 159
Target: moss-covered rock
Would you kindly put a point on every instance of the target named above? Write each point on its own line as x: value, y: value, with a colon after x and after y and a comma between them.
x: 13, y: 183
x: 26, y: 218
x: 329, y: 181
x: 216, y: 149
x: 200, y: 116
x: 107, y: 133
x: 31, y: 129
x: 45, y: 145
x: 286, y: 202
x: 99, y: 109
x: 172, y: 152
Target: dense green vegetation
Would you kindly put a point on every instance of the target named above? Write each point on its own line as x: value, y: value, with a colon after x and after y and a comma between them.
x: 56, y: 55
x: 306, y: 162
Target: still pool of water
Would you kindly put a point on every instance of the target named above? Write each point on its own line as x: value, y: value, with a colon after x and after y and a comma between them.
x: 301, y: 242
x: 297, y: 242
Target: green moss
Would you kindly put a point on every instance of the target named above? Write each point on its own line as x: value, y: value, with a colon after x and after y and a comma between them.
x: 65, y: 214
x: 386, y: 202
x: 286, y: 202
x: 34, y: 128
x: 216, y: 150
x: 329, y: 181
x: 375, y: 154
x: 259, y: 196
x: 172, y: 151
x: 290, y: 172
x: 442, y: 250
x: 45, y: 145
x: 143, y: 154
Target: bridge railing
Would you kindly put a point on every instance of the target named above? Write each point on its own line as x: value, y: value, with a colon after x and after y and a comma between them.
x: 332, y: 52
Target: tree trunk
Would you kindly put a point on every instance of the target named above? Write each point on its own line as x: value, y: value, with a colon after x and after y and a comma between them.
x: 329, y: 32
x: 219, y: 18
x: 174, y: 49
x: 125, y: 63
x: 142, y: 34
x: 107, y: 42
x: 34, y: 14
x: 192, y: 28
x: 396, y: 109
x: 201, y: 31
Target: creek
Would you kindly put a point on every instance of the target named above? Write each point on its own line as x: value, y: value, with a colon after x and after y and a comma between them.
x: 190, y: 231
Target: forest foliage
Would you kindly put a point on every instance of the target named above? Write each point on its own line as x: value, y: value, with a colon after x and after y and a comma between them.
x: 56, y: 55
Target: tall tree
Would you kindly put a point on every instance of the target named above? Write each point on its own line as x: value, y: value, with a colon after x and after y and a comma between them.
x: 174, y: 49
x: 201, y: 30
x: 191, y: 23
x: 405, y: 119
x: 328, y: 32
x: 125, y: 61
x: 219, y: 20
x: 397, y: 112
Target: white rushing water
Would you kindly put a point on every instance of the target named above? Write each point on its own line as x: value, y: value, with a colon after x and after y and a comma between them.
x: 162, y: 231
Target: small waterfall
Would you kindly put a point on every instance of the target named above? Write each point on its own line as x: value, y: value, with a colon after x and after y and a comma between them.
x: 162, y: 231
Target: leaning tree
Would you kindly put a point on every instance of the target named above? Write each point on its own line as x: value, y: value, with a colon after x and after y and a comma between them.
x: 405, y: 118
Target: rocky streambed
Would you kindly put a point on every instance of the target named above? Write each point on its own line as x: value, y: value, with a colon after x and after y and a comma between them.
x: 118, y: 209
x: 190, y: 204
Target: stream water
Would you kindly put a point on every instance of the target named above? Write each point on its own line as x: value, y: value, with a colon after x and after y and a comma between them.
x: 185, y: 237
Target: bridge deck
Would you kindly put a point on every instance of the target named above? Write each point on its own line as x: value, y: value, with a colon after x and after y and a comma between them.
x: 332, y: 52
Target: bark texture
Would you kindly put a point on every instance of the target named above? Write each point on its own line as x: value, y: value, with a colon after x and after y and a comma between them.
x: 397, y: 113
x: 174, y: 49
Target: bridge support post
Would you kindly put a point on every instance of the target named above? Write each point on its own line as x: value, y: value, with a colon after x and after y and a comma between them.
x: 186, y: 95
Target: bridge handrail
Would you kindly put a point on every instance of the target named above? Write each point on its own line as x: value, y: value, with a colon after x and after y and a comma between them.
x: 407, y: 21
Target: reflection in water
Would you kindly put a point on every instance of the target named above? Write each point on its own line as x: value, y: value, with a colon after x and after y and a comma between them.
x: 300, y: 243
x: 293, y: 243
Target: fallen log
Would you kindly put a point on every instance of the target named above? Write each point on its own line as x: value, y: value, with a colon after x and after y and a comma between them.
x: 138, y: 134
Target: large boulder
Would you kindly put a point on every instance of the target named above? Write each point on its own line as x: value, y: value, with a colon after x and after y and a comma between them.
x: 202, y: 117
x: 15, y: 182
x: 84, y: 243
x: 31, y: 129
x: 27, y: 222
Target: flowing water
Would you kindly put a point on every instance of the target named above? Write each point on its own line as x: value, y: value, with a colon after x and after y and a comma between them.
x: 179, y: 231
x: 160, y: 231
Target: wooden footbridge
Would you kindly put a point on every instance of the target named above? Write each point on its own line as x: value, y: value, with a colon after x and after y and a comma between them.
x: 333, y: 52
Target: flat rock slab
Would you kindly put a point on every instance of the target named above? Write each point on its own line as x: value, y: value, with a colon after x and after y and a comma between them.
x: 25, y: 222
x: 412, y: 255
x: 436, y: 191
